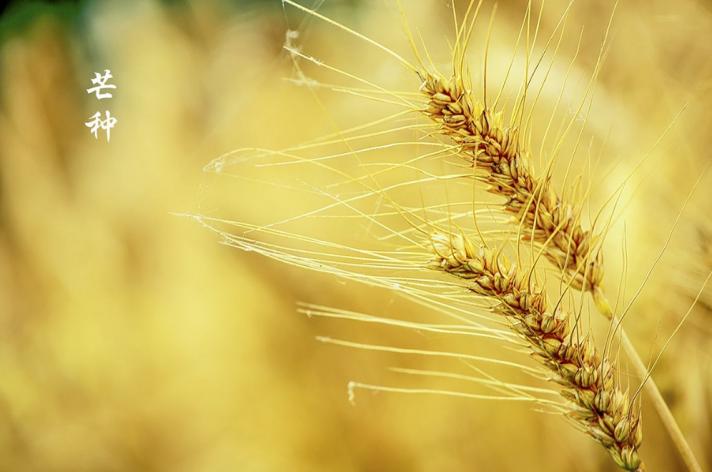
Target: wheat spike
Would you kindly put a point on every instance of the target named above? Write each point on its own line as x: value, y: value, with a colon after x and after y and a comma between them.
x: 600, y: 407
x: 493, y: 148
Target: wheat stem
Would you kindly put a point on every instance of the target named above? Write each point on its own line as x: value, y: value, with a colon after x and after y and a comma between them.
x: 678, y: 438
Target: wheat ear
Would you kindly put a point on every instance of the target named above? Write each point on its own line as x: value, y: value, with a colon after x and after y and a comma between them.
x: 493, y: 148
x: 601, y: 408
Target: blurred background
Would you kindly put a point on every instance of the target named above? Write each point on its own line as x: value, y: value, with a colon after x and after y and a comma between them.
x: 131, y: 340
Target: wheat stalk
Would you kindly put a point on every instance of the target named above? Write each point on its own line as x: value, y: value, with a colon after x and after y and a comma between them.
x: 601, y: 408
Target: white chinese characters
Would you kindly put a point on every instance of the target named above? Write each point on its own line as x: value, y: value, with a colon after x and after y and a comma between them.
x: 97, y: 123
x: 100, y: 84
x: 101, y: 89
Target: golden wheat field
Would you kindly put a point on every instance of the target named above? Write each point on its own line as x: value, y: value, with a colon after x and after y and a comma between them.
x: 356, y: 235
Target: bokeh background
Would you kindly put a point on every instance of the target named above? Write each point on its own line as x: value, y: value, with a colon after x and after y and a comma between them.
x: 131, y: 340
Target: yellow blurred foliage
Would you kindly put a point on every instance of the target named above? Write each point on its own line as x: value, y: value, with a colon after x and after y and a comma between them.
x: 130, y: 339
